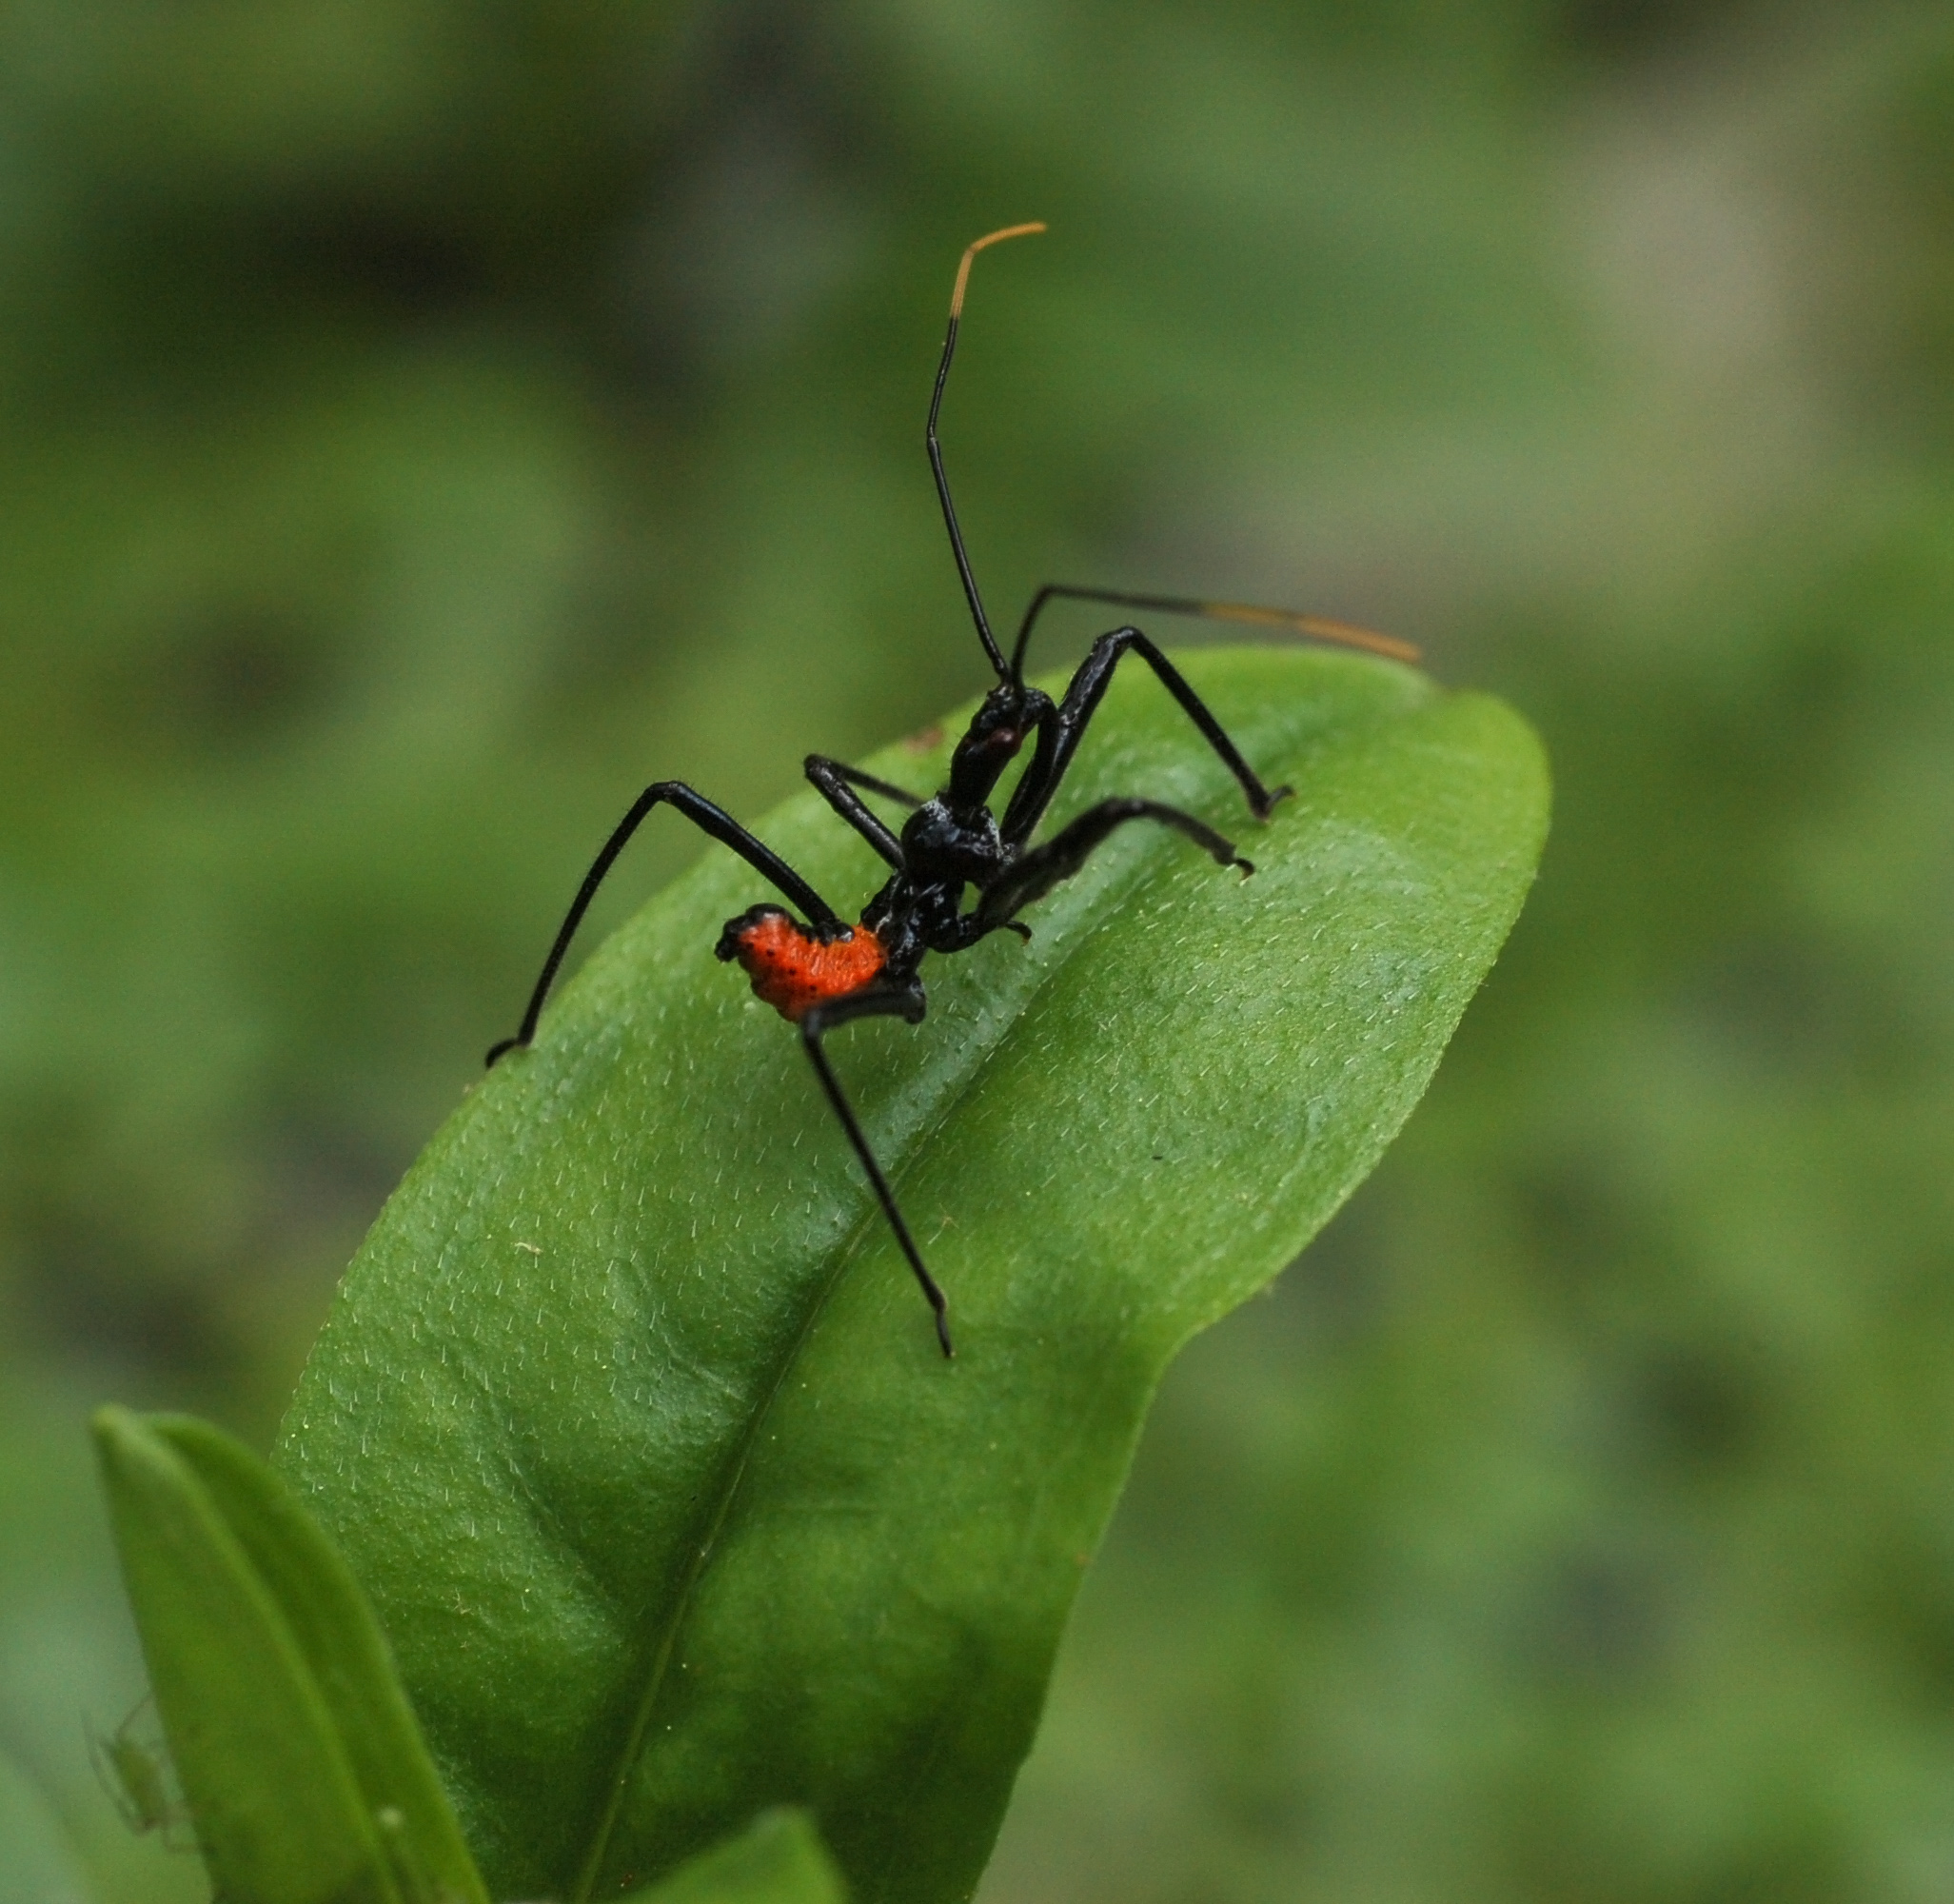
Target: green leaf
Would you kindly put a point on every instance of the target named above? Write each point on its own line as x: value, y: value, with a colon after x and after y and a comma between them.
x: 36, y: 1865
x: 628, y: 1415
x: 297, y: 1752
x: 779, y: 1860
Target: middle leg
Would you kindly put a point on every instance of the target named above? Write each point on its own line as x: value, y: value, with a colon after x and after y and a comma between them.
x: 1031, y: 878
x: 710, y: 819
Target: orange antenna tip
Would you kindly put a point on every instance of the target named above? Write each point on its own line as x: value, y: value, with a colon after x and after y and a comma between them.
x: 1344, y: 633
x: 970, y: 252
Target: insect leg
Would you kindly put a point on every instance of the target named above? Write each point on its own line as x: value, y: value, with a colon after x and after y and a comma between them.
x: 1068, y: 849
x: 708, y: 819
x: 854, y: 777
x: 904, y: 1001
x: 1066, y: 725
x: 837, y: 783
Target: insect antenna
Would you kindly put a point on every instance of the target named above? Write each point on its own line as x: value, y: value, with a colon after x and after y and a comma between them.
x: 970, y: 587
x: 1344, y: 633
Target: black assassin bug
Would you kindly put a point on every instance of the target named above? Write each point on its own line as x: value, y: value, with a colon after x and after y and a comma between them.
x: 826, y: 972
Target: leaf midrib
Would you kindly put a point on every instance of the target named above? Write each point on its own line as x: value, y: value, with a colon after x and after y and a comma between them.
x: 1118, y: 893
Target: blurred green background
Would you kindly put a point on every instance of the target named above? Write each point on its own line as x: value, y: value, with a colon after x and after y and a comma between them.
x: 421, y: 422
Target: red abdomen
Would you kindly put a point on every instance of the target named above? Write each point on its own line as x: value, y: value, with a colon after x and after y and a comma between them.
x: 791, y: 968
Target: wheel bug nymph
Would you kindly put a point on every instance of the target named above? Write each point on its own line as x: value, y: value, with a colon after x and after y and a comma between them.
x: 820, y: 972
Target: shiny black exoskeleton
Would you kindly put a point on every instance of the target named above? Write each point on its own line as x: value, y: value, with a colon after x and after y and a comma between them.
x: 958, y: 873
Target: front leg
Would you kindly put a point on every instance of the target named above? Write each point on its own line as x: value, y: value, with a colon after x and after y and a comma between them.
x: 837, y: 782
x: 1065, y: 727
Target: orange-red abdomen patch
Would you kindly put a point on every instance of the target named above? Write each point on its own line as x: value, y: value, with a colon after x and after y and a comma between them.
x: 791, y: 968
